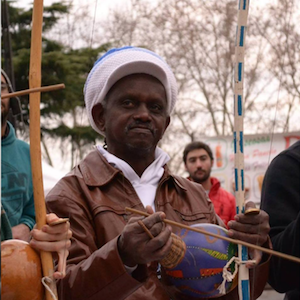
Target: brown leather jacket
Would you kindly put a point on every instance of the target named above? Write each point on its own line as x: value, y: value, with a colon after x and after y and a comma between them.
x: 94, y: 196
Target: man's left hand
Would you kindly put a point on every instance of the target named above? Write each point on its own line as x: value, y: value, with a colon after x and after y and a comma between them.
x: 252, y: 228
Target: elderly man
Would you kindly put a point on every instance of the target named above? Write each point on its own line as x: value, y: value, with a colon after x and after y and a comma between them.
x: 129, y: 96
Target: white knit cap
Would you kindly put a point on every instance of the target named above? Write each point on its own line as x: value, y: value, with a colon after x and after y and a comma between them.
x: 120, y: 62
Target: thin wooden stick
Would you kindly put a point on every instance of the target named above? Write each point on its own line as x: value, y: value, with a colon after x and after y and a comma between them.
x: 35, y: 139
x: 238, y: 242
x: 48, y: 88
x: 146, y: 229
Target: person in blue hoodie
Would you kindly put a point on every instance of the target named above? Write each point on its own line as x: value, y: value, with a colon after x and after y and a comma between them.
x: 17, y: 204
x: 16, y: 179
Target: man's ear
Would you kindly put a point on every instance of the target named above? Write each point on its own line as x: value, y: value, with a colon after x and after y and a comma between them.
x: 98, y: 116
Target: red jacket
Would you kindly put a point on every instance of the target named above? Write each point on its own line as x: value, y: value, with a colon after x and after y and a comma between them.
x: 224, y: 202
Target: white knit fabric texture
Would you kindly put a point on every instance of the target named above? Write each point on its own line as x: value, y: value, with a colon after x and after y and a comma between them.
x: 111, y: 68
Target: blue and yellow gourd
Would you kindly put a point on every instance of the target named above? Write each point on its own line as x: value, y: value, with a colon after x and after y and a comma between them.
x: 199, y: 273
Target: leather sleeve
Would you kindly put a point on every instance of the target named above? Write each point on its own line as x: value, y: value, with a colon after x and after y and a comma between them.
x: 92, y: 273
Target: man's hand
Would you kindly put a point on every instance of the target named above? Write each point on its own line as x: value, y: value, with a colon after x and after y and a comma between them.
x: 21, y: 232
x: 136, y: 247
x: 252, y: 228
x: 53, y: 239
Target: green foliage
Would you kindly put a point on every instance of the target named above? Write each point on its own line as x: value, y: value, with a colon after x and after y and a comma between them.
x: 20, y: 23
x: 59, y: 65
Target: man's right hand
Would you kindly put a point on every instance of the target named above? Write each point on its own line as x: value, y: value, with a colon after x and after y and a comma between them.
x: 136, y: 247
x: 56, y: 239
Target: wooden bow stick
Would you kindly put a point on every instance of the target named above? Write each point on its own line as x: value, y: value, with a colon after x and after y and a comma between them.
x: 48, y: 88
x: 35, y: 138
x: 202, y: 231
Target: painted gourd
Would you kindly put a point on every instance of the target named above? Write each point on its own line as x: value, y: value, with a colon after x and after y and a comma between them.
x: 199, y: 274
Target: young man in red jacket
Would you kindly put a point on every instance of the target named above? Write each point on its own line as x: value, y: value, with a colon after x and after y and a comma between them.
x: 198, y: 160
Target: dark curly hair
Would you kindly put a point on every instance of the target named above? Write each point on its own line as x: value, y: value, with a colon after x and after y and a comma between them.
x: 194, y: 146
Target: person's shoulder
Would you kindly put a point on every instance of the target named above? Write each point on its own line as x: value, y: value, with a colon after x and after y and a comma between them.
x: 295, y: 145
x: 290, y: 154
x: 84, y: 174
x: 91, y: 157
x: 22, y: 144
x: 185, y: 181
x: 228, y: 194
x: 66, y: 187
x: 189, y: 185
x: 217, y: 185
x: 193, y: 191
x: 294, y: 150
x: 22, y: 147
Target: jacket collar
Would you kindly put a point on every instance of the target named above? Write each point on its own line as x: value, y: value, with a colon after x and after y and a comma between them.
x: 96, y: 171
x: 215, y: 184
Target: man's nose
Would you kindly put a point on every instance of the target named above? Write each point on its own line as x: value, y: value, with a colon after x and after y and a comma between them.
x: 198, y: 163
x: 142, y: 113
